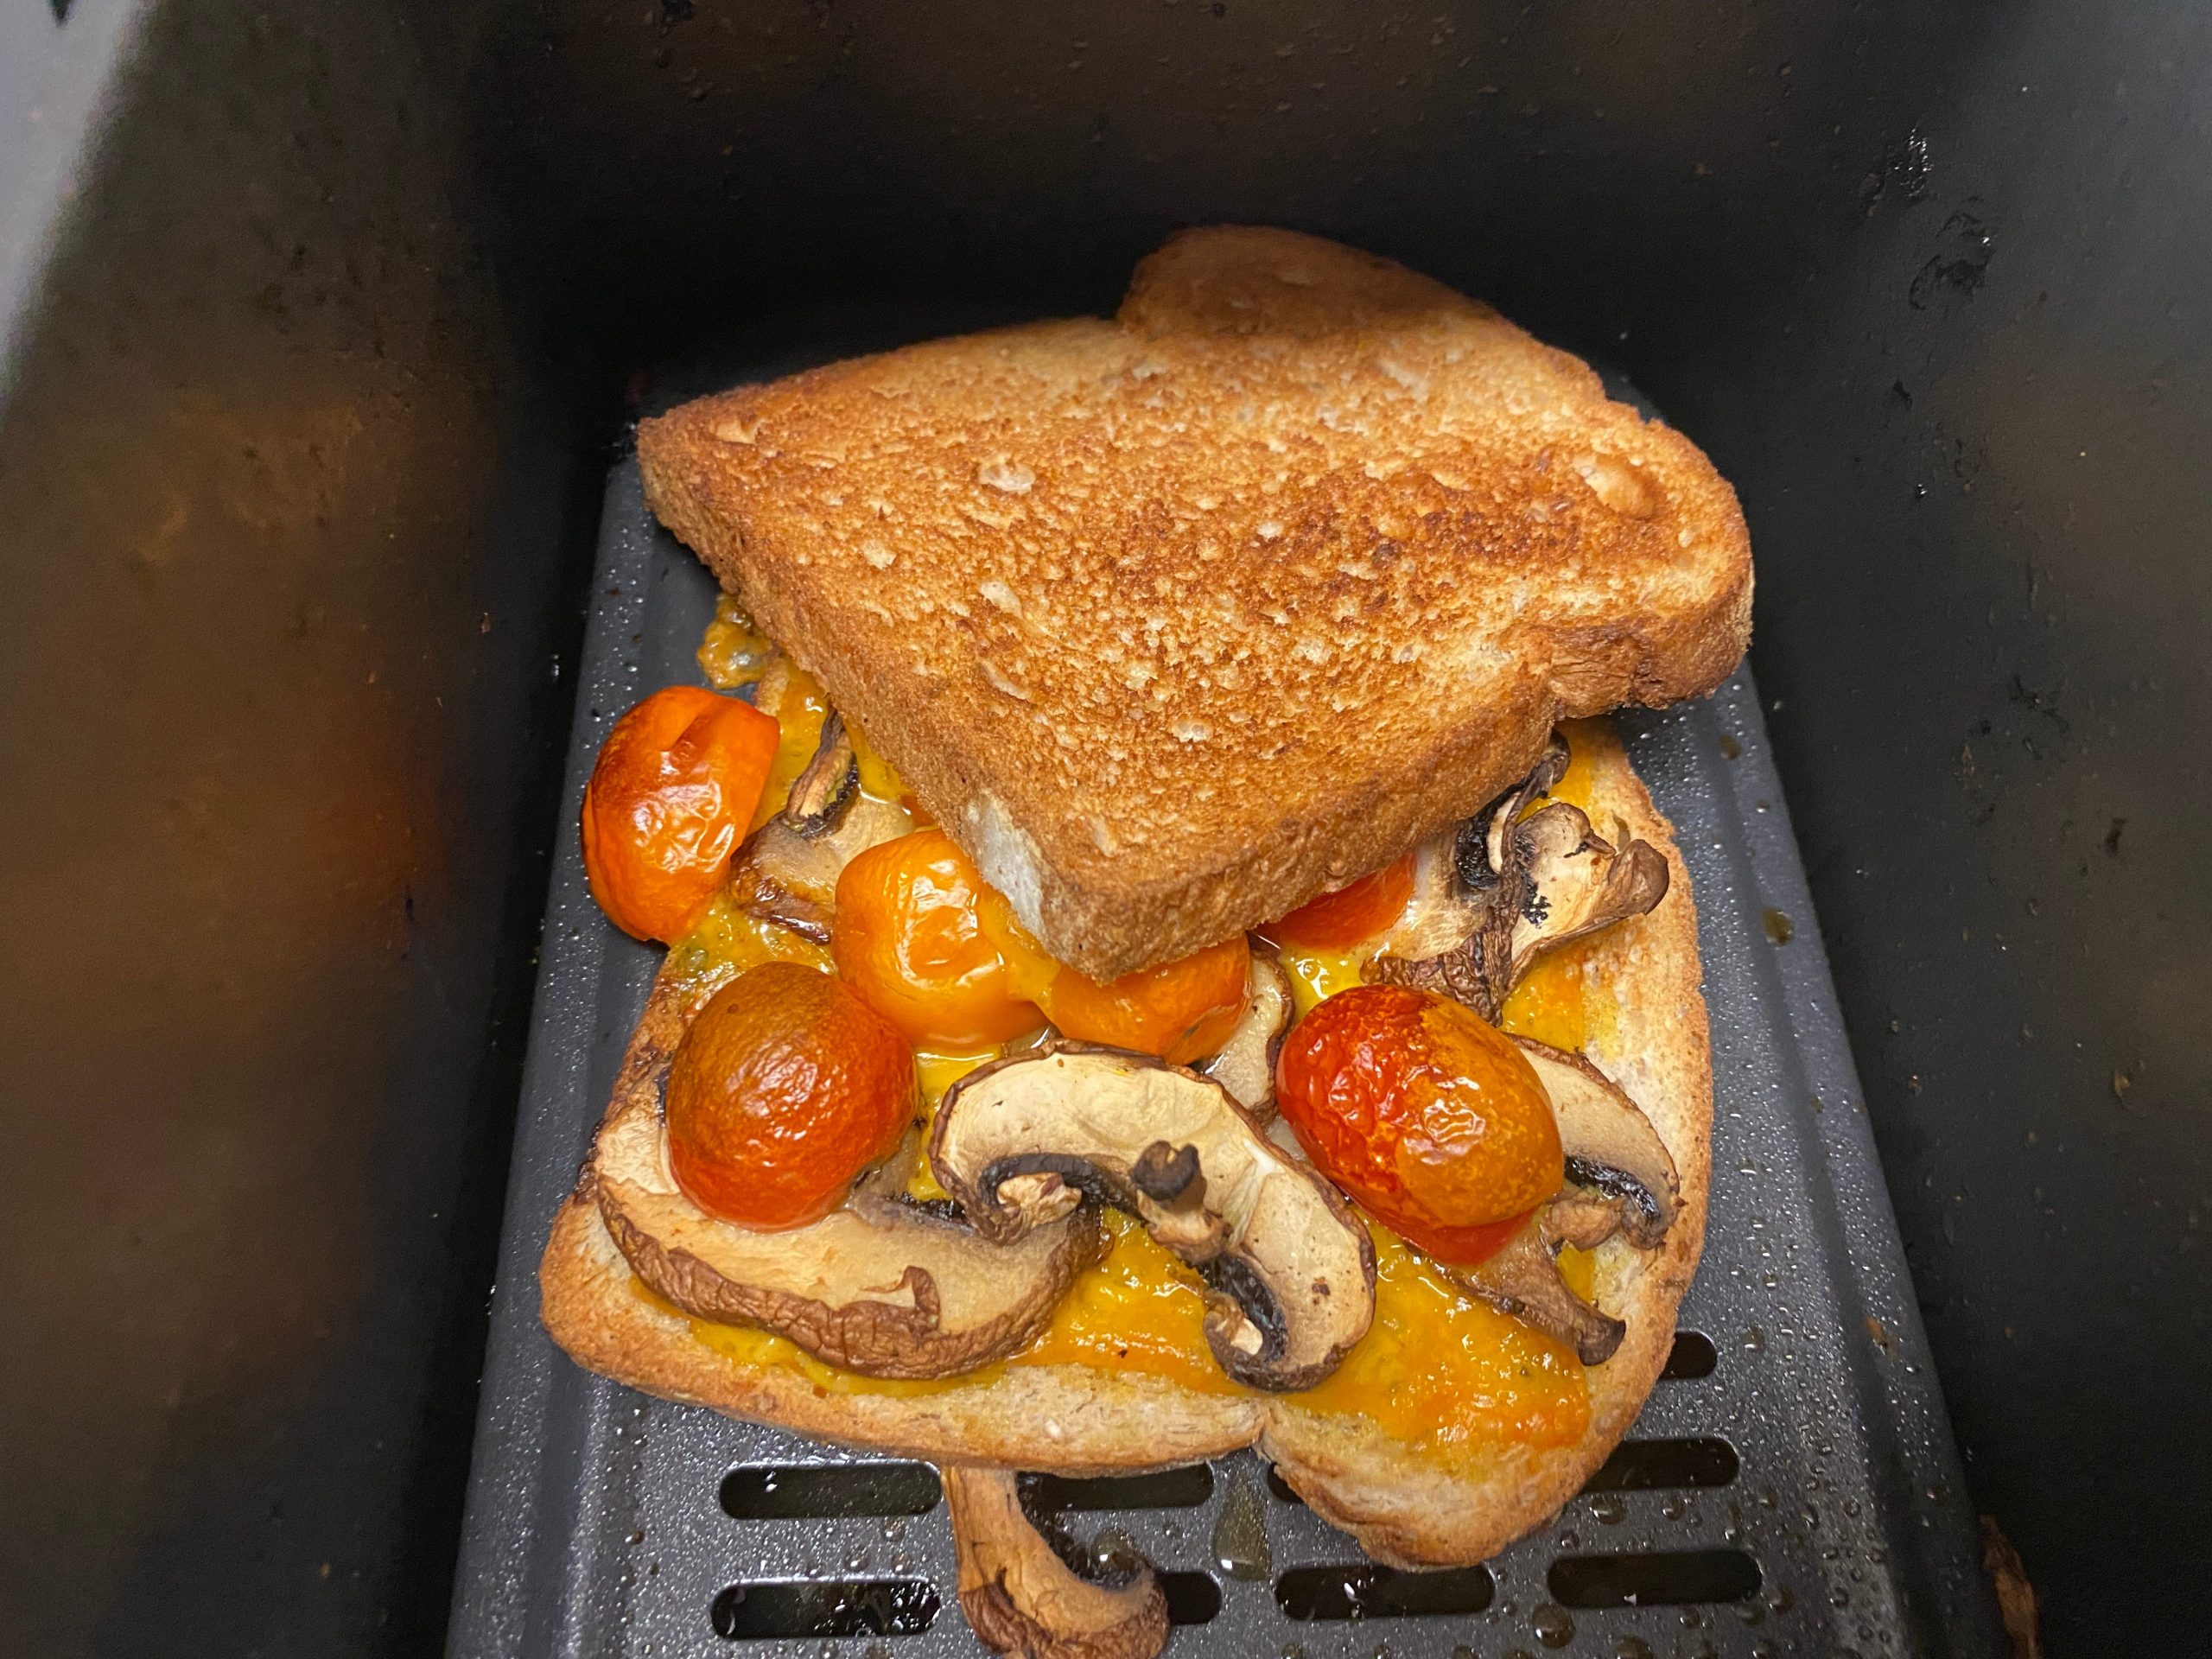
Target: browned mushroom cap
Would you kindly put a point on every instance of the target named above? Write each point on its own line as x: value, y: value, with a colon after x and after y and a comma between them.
x: 1290, y: 1274
x: 1620, y: 1179
x: 1020, y: 1597
x: 1246, y: 1065
x: 879, y: 1286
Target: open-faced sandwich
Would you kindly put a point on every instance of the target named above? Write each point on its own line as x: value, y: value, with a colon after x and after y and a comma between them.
x: 1168, y: 959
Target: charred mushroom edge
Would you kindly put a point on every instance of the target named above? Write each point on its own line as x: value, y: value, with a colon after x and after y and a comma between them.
x: 1514, y: 895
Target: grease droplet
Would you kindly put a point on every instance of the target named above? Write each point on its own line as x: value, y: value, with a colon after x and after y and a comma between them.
x: 1240, y: 1532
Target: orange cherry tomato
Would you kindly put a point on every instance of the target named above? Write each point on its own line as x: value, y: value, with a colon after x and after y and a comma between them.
x: 1357, y: 911
x: 668, y: 801
x: 1181, y: 1011
x: 785, y: 1087
x: 1425, y: 1113
x: 907, y: 939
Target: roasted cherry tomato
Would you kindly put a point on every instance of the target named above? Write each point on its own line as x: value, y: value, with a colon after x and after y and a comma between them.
x: 1181, y: 1011
x: 1359, y: 910
x: 1425, y: 1113
x: 907, y: 939
x: 668, y: 801
x: 784, y: 1088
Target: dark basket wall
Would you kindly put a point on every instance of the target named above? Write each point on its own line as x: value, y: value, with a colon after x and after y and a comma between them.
x: 306, y: 422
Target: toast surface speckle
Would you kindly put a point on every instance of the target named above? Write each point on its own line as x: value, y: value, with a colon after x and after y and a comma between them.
x: 1175, y: 619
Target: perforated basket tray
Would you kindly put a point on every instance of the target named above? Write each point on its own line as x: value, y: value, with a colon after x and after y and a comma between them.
x: 1790, y: 1488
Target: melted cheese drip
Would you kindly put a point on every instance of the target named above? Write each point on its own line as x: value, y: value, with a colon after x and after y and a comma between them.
x: 726, y: 942
x: 734, y: 652
x: 1439, y: 1369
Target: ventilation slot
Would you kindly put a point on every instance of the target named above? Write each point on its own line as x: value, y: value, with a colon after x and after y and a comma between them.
x: 1664, y: 1580
x: 1192, y: 1598
x: 828, y: 1491
x: 868, y: 1607
x: 1169, y: 1489
x: 1370, y: 1591
x: 1649, y: 1466
x: 1691, y: 1357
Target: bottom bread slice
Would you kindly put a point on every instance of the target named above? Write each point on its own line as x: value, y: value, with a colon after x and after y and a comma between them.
x: 1405, y: 1503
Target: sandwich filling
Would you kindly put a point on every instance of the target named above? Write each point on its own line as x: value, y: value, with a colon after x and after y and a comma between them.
x: 1453, y: 1355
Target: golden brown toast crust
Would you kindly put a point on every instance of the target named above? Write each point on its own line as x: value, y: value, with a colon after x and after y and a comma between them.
x: 1175, y: 620
x: 1403, y: 1505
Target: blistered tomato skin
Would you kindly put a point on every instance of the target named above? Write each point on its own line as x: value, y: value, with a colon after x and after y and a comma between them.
x: 783, y: 1089
x: 670, y: 799
x: 906, y: 939
x: 1425, y: 1114
x: 1357, y: 911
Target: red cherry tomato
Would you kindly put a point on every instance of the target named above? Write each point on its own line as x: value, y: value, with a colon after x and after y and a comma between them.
x: 671, y: 797
x: 783, y: 1089
x: 907, y: 939
x: 1425, y: 1113
x: 1359, y: 910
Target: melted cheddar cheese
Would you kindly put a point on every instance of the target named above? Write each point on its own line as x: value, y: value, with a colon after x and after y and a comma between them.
x: 1439, y: 1369
x: 800, y: 716
x: 734, y: 652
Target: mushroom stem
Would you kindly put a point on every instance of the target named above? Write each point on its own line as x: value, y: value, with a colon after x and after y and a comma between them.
x: 1021, y: 1598
x: 1523, y: 1280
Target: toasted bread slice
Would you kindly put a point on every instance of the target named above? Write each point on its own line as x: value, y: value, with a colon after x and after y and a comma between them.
x: 1174, y: 620
x: 1404, y: 1503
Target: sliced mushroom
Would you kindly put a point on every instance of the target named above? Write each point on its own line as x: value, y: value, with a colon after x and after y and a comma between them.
x: 1613, y: 1154
x: 1462, y: 973
x: 1523, y: 1280
x: 820, y: 794
x: 879, y: 1286
x: 1620, y: 1178
x: 1290, y: 1274
x: 1578, y: 883
x: 1022, y: 1597
x: 1246, y: 1065
x: 1522, y: 883
x: 1509, y: 809
x: 788, y: 876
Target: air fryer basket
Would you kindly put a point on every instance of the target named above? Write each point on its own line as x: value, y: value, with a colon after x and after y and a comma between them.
x: 1790, y: 1488
x: 319, y: 324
